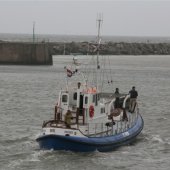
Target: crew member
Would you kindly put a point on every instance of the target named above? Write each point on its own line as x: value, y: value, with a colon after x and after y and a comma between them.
x: 133, y: 96
x: 117, y: 105
x: 68, y: 118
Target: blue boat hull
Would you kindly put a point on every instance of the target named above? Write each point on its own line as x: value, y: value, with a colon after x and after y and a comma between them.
x: 81, y: 144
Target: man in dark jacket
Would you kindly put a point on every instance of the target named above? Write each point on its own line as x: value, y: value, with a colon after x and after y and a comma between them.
x: 116, y: 105
x: 133, y: 96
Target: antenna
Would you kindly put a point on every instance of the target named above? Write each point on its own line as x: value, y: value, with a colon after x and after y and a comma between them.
x: 33, y: 35
x: 99, y: 22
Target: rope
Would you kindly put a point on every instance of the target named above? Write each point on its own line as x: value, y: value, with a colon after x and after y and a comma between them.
x: 104, y: 66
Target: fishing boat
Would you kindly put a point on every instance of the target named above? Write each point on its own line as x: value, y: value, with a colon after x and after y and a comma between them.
x: 87, y: 118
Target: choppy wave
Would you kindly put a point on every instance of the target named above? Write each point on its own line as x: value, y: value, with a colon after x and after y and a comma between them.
x: 28, y: 95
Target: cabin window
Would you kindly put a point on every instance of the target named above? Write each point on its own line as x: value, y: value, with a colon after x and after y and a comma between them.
x: 86, y: 100
x: 102, y: 110
x: 64, y: 98
x: 75, y: 96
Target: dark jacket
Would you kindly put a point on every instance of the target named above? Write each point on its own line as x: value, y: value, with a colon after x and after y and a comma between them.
x: 133, y: 94
x: 116, y: 104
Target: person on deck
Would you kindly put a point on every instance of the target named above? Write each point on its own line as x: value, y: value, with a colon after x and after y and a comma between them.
x: 116, y: 105
x: 133, y: 96
x: 68, y: 118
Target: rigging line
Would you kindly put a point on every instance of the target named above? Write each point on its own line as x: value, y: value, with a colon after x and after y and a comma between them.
x: 102, y: 77
x: 85, y: 70
x: 103, y: 74
x: 101, y: 69
x: 89, y: 71
x: 94, y: 72
x: 107, y: 73
x: 111, y: 81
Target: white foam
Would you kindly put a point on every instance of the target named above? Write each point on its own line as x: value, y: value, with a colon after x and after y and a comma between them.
x: 34, y: 157
x: 14, y: 164
x: 157, y: 138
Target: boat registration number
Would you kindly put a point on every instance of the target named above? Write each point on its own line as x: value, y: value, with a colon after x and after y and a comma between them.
x: 126, y: 134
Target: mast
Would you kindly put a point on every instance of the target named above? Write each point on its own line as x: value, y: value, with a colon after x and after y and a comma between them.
x: 99, y: 21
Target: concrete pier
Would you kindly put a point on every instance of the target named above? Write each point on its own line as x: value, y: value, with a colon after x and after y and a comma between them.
x: 21, y: 53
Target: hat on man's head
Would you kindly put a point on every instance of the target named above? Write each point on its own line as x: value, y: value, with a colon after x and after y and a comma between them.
x: 133, y: 87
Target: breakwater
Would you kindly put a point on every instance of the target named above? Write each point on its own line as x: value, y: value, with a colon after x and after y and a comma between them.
x: 110, y: 48
x: 25, y: 53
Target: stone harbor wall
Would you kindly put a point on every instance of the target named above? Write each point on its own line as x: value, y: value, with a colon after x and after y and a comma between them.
x: 25, y: 53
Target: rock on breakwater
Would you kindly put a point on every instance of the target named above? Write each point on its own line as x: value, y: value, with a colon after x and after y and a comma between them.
x: 111, y: 48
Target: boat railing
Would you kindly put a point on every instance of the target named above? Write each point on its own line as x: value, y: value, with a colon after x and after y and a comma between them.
x: 109, y: 128
x: 58, y: 113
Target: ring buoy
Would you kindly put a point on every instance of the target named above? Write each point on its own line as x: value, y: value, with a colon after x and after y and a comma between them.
x: 91, y: 111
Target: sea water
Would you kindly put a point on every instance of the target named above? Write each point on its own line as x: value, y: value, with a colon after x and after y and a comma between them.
x: 28, y: 95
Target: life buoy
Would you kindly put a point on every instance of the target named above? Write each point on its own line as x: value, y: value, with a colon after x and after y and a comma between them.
x: 91, y: 111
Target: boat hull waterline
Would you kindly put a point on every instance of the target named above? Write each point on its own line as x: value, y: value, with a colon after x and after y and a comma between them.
x: 89, y: 144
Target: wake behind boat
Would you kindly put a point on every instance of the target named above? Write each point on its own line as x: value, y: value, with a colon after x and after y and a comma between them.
x: 88, y: 119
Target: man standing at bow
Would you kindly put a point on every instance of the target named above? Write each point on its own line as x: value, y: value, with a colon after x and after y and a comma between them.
x: 133, y: 96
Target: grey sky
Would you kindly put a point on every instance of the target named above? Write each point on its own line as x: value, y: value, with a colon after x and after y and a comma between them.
x: 129, y: 18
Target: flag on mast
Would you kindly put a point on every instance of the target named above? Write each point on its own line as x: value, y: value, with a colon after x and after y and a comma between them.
x: 69, y: 73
